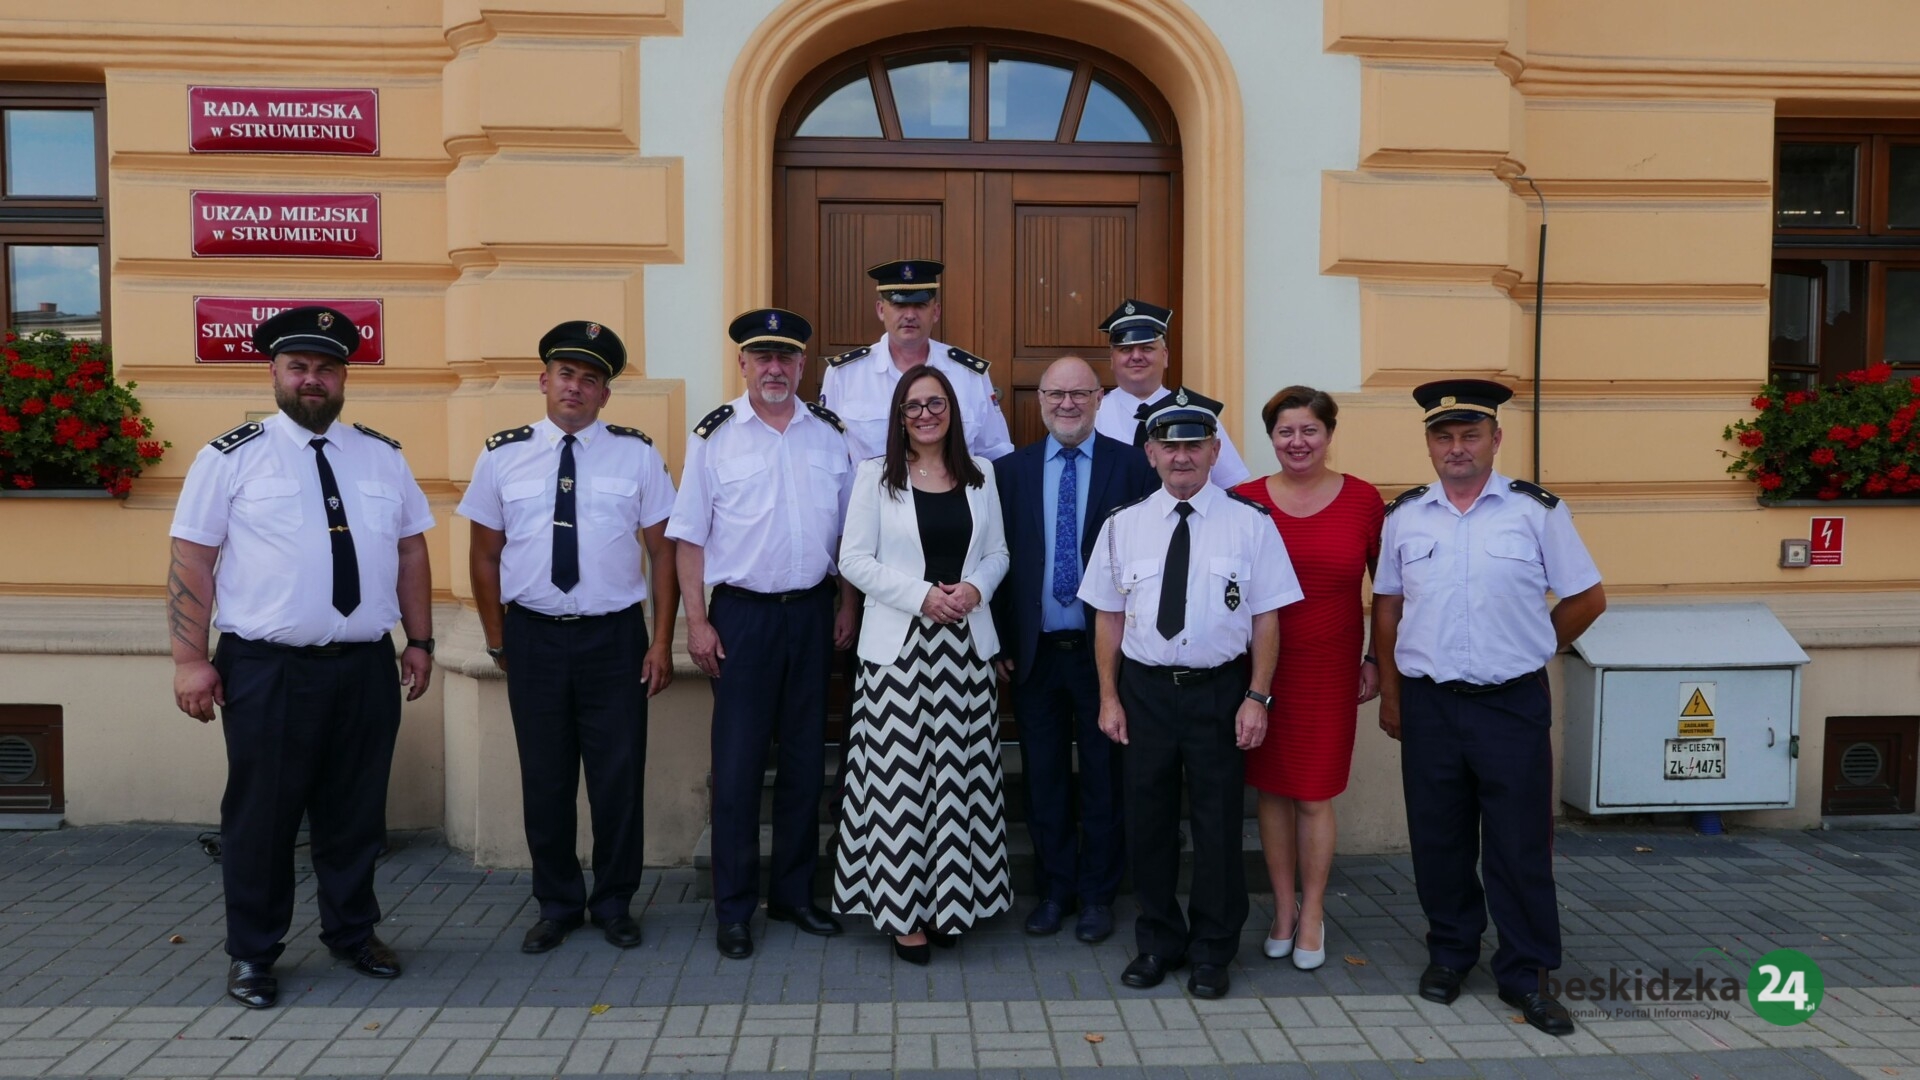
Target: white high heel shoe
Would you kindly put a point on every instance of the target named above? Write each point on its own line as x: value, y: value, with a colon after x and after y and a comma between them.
x: 1274, y: 947
x: 1308, y: 959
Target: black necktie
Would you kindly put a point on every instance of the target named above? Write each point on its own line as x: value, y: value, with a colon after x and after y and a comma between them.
x: 566, y: 546
x: 1173, y: 579
x: 346, y: 566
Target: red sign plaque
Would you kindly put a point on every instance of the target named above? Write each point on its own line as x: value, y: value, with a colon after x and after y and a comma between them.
x: 1829, y: 540
x: 223, y: 327
x: 276, y: 120
x: 234, y: 224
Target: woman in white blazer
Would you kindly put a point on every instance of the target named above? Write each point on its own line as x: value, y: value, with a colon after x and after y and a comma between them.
x: 923, y: 839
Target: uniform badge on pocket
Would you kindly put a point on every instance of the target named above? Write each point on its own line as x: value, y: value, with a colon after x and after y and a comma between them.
x: 1233, y: 595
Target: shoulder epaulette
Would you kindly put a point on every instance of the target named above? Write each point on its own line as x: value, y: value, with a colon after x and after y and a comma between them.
x: 372, y: 434
x: 849, y: 356
x: 630, y: 432
x: 1406, y: 496
x: 1539, y: 494
x: 711, y: 422
x: 1255, y: 503
x: 249, y: 430
x: 962, y: 356
x: 511, y: 435
x: 1130, y: 502
x: 828, y: 415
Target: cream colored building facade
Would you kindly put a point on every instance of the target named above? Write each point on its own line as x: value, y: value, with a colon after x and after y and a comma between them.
x: 1354, y: 188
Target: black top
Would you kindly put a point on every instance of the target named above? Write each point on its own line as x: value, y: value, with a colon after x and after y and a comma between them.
x: 946, y: 527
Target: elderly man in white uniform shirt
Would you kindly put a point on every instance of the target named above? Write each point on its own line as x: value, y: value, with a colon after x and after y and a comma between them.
x: 1137, y: 337
x: 758, y: 519
x: 299, y: 539
x: 859, y: 384
x: 1464, y: 634
x: 1187, y: 583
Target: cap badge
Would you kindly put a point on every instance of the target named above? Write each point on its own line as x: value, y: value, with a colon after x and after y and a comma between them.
x: 1129, y: 307
x: 593, y: 330
x: 773, y: 321
x: 325, y: 320
x: 906, y: 272
x: 1448, y: 400
x: 1181, y: 397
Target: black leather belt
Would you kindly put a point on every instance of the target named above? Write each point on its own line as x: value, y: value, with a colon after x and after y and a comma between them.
x: 1461, y: 686
x: 336, y: 648
x: 543, y: 617
x: 1064, y: 640
x: 826, y: 585
x: 1180, y: 676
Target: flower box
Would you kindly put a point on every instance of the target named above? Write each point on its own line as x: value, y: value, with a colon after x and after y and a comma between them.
x: 1854, y: 440
x: 65, y: 425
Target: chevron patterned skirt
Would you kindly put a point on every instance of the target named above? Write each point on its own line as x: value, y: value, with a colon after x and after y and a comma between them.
x: 923, y: 824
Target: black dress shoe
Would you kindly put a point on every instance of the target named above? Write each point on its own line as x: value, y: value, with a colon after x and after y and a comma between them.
x: 1095, y: 925
x: 371, y: 958
x: 1541, y: 1011
x: 1208, y: 981
x: 807, y: 920
x: 621, y: 930
x: 1147, y: 970
x: 252, y: 984
x: 734, y: 940
x: 919, y: 955
x: 547, y: 934
x: 1441, y: 984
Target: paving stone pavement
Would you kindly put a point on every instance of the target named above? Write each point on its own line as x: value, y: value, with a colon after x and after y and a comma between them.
x: 92, y: 984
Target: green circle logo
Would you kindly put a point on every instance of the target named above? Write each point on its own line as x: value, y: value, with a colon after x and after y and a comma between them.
x: 1784, y: 987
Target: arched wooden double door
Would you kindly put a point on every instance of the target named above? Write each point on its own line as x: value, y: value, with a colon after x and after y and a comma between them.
x: 1044, y: 174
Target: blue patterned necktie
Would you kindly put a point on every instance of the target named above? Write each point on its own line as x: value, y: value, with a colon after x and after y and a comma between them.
x: 1066, y: 530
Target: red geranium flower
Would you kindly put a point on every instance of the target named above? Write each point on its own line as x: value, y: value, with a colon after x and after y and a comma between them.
x: 151, y: 450
x: 1751, y: 438
x: 1866, y: 431
x: 1828, y: 493
x: 9, y: 424
x: 33, y: 406
x: 22, y: 480
x: 1839, y: 433
x: 61, y: 401
x: 1879, y: 373
x: 1762, y: 403
x: 1799, y: 397
x: 131, y: 427
x: 1769, y: 481
x: 1822, y: 456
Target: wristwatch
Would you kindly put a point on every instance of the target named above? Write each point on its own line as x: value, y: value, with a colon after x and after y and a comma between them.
x: 1263, y: 699
x: 498, y: 652
x: 423, y: 644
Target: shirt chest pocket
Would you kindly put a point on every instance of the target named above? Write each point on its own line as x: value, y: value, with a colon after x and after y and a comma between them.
x: 525, y: 512
x: 612, y: 503
x: 1513, y: 566
x: 1419, y: 565
x: 1227, y: 584
x: 270, y: 505
x: 743, y: 492
x: 380, y: 502
x: 1140, y: 583
x: 825, y: 474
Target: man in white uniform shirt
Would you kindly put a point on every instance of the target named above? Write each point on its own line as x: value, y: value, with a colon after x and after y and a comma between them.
x: 762, y: 500
x: 559, y: 510
x: 305, y: 535
x: 858, y: 385
x: 1187, y: 583
x: 1464, y: 634
x: 1137, y: 337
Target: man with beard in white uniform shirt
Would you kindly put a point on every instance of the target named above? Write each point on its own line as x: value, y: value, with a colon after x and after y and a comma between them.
x: 859, y: 384
x: 1137, y: 335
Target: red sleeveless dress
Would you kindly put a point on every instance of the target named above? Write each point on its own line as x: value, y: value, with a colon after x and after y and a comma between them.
x: 1308, y: 751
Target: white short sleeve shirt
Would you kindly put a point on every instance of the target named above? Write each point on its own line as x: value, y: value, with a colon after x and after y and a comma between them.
x: 860, y: 391
x: 1117, y: 418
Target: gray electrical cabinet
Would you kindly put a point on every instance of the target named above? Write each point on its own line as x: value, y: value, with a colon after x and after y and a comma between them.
x: 1692, y: 707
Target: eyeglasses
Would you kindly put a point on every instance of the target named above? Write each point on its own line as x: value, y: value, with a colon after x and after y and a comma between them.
x: 1055, y: 397
x: 933, y: 406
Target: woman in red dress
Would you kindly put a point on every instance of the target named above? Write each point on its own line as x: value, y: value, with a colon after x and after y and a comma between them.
x: 1331, y: 524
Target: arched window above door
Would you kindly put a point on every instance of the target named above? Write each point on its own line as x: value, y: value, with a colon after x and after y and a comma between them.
x: 977, y: 86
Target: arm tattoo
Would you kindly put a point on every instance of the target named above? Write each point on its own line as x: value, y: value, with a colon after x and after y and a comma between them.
x: 183, y: 606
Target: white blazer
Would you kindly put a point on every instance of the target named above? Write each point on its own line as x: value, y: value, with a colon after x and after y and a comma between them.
x: 880, y: 554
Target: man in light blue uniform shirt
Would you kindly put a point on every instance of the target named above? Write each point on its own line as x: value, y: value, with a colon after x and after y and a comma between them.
x: 1048, y: 658
x: 1464, y: 634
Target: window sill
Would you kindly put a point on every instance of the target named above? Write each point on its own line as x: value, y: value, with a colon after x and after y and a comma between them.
x: 55, y: 493
x: 1777, y: 504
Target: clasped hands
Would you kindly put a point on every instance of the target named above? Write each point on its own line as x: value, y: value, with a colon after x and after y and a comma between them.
x: 950, y: 603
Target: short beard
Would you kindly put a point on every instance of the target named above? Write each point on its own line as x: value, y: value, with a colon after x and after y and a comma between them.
x: 772, y: 397
x: 315, y: 418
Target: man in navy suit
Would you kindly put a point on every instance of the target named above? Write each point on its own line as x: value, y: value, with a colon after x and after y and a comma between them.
x: 1053, y: 496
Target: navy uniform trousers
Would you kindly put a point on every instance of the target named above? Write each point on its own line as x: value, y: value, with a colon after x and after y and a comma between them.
x: 575, y: 691
x: 309, y: 731
x: 1477, y: 769
x: 1057, y: 707
x: 772, y: 689
x: 1174, y: 728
